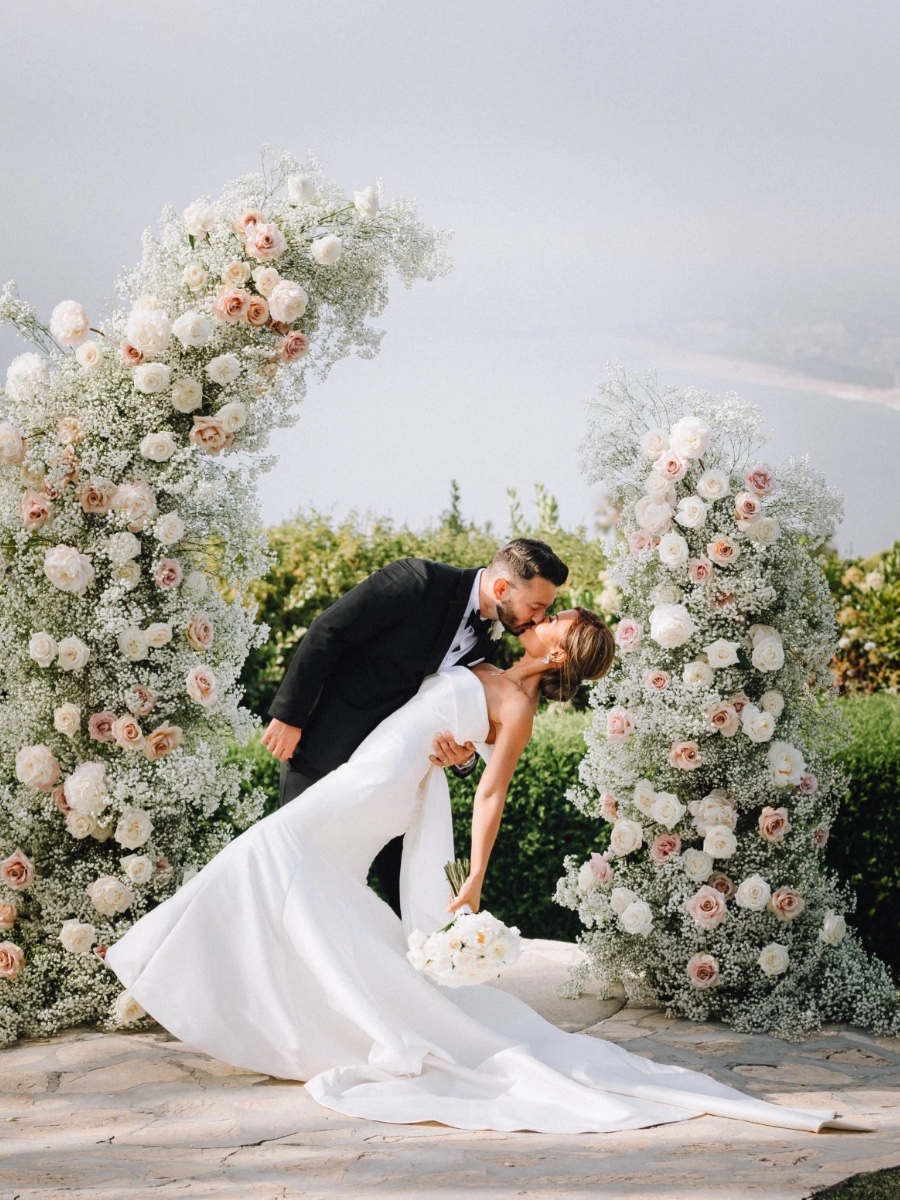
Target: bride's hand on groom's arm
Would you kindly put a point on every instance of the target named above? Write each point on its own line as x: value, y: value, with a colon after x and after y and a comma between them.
x: 281, y: 740
x: 469, y: 893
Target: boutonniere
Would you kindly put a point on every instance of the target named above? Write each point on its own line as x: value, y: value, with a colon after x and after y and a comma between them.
x: 496, y: 631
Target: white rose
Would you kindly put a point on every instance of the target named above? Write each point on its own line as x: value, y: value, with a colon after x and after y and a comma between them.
x: 653, y: 514
x: 42, y: 648
x: 26, y: 377
x: 192, y: 329
x: 158, y: 447
x: 773, y: 959
x: 713, y: 485
x: 673, y: 550
x: 690, y: 437
x: 772, y: 702
x: 768, y: 654
x: 187, y: 394
x: 833, y: 928
x: 698, y: 865
x: 67, y: 719
x: 721, y: 653
x: 644, y: 796
x: 758, y: 726
x: 68, y: 569
x: 194, y: 276
x: 69, y: 323
x: 73, y: 654
x: 236, y: 273
x: 785, y: 763
x: 366, y: 202
x: 149, y: 330
x: 169, y: 529
x: 764, y: 530
x: 266, y: 280
x: 658, y: 486
x: 133, y: 828
x: 625, y: 836
x: 758, y: 632
x: 655, y: 442
x: 720, y: 842
x: 138, y: 867
x: 224, y: 369
x: 85, y: 789
x: 697, y: 674
x: 133, y: 643
x: 753, y: 893
x: 194, y: 586
x: 714, y: 809
x: 620, y: 898
x: 120, y: 547
x: 159, y: 634
x: 151, y: 378
x: 128, y: 574
x: 587, y: 878
x: 199, y: 218
x: 127, y: 1010
x: 101, y: 831
x: 77, y: 937
x: 89, y: 355
x: 301, y: 189
x: 233, y: 416
x: 287, y: 302
x: 671, y: 625
x: 691, y: 512
x: 637, y: 918
x: 667, y: 809
x: 80, y: 825
x: 326, y: 250
x: 666, y: 593
x: 37, y: 768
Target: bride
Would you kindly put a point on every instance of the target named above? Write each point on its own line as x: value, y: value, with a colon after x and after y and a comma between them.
x: 278, y: 958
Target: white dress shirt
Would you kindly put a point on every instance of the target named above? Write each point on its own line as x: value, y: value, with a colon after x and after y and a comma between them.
x: 465, y: 636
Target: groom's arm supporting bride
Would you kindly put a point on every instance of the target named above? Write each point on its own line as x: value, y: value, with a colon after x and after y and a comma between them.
x: 367, y: 654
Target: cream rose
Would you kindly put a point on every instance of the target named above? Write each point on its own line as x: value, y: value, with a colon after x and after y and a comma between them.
x: 133, y: 643
x: 753, y: 893
x: 135, y: 503
x: 637, y: 918
x: 73, y: 654
x: 697, y: 674
x: 128, y: 574
x: 653, y: 514
x: 287, y: 301
x: 232, y: 416
x: 194, y: 276
x: 757, y: 725
x: 133, y: 828
x: 718, y: 808
x: 158, y: 447
x: 834, y: 927
x: 785, y: 763
x: 199, y: 218
x: 37, y: 768
x: 149, y: 330
x: 773, y: 959
x: 68, y: 569
x: 86, y: 790
x: 301, y: 189
x: 138, y: 867
x: 109, y: 895
x: 67, y: 719
x: 8, y: 914
x: 620, y: 898
x: 89, y: 355
x: 659, y: 487
x: 768, y: 654
x: 367, y: 202
x: 326, y: 250
x: 42, y: 648
x: 697, y: 864
x: 224, y: 369
x: 236, y: 274
x: 77, y: 936
x: 765, y: 531
x: 266, y: 280
x: 690, y: 437
x: 151, y: 377
x: 673, y: 550
x: 195, y: 585
x: 644, y: 796
x: 691, y: 512
x: 192, y: 329
x: 187, y: 394
x: 79, y: 825
x: 69, y: 323
x: 12, y: 445
x: 169, y: 528
x: 721, y: 653
x: 671, y: 625
x: 654, y: 442
x: 667, y: 809
x: 127, y: 1010
x: 625, y: 836
x: 772, y: 702
x: 720, y: 842
x: 201, y: 686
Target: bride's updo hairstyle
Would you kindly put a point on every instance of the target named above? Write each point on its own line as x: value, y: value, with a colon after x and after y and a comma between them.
x: 589, y: 648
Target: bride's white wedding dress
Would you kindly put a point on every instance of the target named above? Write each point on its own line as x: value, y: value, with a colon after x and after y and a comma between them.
x: 278, y: 957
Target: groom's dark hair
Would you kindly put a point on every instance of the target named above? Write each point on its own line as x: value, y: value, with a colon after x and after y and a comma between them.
x: 524, y: 558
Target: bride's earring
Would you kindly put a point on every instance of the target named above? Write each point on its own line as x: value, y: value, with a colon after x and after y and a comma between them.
x: 546, y: 660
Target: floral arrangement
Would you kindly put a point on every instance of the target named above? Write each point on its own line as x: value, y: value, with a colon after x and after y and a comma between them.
x: 129, y: 453
x: 711, y: 749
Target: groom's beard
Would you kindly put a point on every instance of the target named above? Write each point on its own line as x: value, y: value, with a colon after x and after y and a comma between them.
x: 507, y: 619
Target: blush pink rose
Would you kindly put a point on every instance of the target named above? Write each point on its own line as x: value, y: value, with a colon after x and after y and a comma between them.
x: 264, y: 241
x: 747, y: 505
x: 685, y: 756
x: 248, y: 218
x: 739, y: 701
x: 17, y: 871
x: 602, y: 867
x: 628, y: 634
x: 609, y: 810
x: 703, y: 971
x: 724, y: 719
x: 619, y: 724
x: 723, y: 551
x: 100, y: 726
x: 8, y: 914
x: 257, y: 311
x: 773, y: 824
x: 127, y: 733
x: 700, y: 570
x: 808, y: 785
x: 96, y: 496
x: 58, y: 796
x: 37, y: 768
x: 201, y: 686
x: 293, y: 346
x: 162, y: 741
x: 721, y: 882
x: 164, y: 869
x: 641, y: 543
x: 707, y: 907
x: 820, y: 836
x: 139, y: 700
x: 760, y: 479
x: 231, y: 304
x: 787, y: 904
x: 209, y: 434
x: 130, y: 355
x: 35, y: 511
x: 12, y: 960
x: 168, y: 573
x: 666, y: 846
x: 656, y: 680
x: 671, y: 466
x: 200, y: 631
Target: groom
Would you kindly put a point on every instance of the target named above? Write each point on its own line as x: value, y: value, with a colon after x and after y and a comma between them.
x: 367, y: 654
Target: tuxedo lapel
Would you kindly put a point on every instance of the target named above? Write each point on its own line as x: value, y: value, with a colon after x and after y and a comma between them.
x: 455, y: 613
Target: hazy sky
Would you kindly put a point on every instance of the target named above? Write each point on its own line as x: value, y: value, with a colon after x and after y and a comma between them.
x: 609, y: 168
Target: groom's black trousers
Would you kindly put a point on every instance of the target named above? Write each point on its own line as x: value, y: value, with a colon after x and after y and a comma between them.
x: 387, y: 861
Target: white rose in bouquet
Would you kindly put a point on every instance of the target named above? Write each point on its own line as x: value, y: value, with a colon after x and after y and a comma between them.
x: 833, y: 929
x: 224, y: 369
x: 326, y: 250
x: 68, y: 569
x: 666, y: 593
x: 151, y: 377
x: 195, y: 585
x: 138, y: 867
x: 671, y: 625
x: 697, y: 864
x: 785, y: 763
x: 757, y: 725
x: 691, y: 512
x: 301, y: 189
x: 158, y: 447
x: 768, y: 654
x: 713, y: 485
x: 367, y: 202
x: 717, y: 808
x: 637, y: 918
x: 158, y: 634
x: 42, y: 648
x: 121, y: 547
x: 127, y: 1010
x: 644, y: 796
x: 149, y: 330
x: 764, y: 530
x: 658, y: 486
x: 772, y: 702
x: 133, y: 828
x: 194, y: 277
x: 672, y: 550
x: 89, y: 355
x: 73, y: 654
x: 192, y: 329
x: 697, y: 674
x: 721, y: 653
x: 69, y: 323
x: 625, y: 836
x: 233, y: 416
x: 187, y: 394
x: 753, y: 893
x: 85, y: 789
x: 620, y: 898
x: 26, y: 376
x: 169, y: 529
x: 133, y: 643
x: 774, y: 959
x: 653, y: 514
x: 80, y: 825
x: 655, y: 442
x: 77, y: 936
x: 266, y: 280
x: 667, y: 809
x: 720, y: 842
x: 67, y: 719
x: 12, y: 445
x: 288, y: 301
x: 37, y: 768
x: 199, y: 218
x: 690, y: 437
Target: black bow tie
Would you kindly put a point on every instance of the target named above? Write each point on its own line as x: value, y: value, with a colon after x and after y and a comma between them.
x: 478, y: 624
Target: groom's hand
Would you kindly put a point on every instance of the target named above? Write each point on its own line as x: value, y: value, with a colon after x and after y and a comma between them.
x: 281, y: 740
x: 449, y: 753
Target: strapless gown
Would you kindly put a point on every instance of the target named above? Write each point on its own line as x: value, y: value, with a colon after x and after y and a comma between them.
x: 277, y: 957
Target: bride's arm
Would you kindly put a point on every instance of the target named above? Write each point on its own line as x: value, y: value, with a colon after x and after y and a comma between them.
x: 490, y: 797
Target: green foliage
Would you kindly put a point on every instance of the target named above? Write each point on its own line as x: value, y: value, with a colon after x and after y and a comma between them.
x: 539, y: 828
x: 867, y: 599
x: 866, y: 834
x: 317, y: 560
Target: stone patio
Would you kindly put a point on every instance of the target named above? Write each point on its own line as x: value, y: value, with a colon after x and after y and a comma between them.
x: 133, y: 1115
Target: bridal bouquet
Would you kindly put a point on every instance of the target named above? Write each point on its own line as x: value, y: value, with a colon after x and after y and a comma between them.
x: 473, y: 948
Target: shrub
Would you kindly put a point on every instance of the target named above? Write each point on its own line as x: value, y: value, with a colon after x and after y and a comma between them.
x: 867, y: 599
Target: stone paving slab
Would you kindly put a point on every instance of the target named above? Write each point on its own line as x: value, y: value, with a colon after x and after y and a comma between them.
x: 129, y: 1116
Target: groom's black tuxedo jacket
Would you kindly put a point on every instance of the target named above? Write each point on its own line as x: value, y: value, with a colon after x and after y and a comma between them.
x: 367, y: 654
